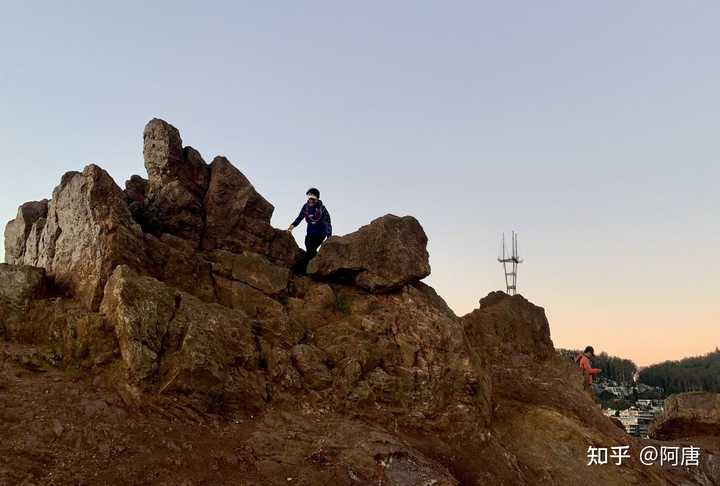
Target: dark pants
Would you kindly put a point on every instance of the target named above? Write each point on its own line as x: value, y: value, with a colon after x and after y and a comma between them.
x: 312, y: 242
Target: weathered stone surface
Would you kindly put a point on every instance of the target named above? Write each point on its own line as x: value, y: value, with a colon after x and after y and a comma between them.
x: 542, y: 418
x: 238, y: 218
x: 312, y: 364
x: 170, y: 339
x: 142, y: 312
x: 32, y: 244
x: 386, y: 254
x: 252, y: 269
x: 20, y: 284
x: 510, y: 325
x: 317, y: 307
x: 177, y: 181
x: 254, y: 303
x: 397, y: 349
x: 19, y: 231
x: 136, y: 191
x: 175, y: 261
x: 88, y: 232
x: 290, y: 449
x: 686, y: 415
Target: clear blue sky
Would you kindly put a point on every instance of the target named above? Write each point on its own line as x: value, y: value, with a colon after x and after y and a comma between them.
x: 591, y: 128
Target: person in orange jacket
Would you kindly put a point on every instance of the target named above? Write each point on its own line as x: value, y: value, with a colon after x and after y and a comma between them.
x: 584, y: 361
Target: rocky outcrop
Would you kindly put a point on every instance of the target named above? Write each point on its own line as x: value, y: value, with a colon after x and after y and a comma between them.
x: 88, y: 231
x: 157, y: 227
x: 686, y: 415
x: 23, y: 233
x: 386, y: 254
x: 177, y: 297
x: 170, y: 340
x: 213, y: 206
x: 359, y: 351
x: 178, y: 179
x: 20, y: 284
x: 136, y: 191
x: 238, y: 218
x: 510, y: 326
x: 251, y: 269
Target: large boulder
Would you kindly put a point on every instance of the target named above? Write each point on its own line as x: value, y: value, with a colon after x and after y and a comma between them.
x: 685, y: 415
x: 386, y: 254
x: 378, y: 352
x: 20, y: 284
x: 176, y: 262
x: 21, y: 234
x: 177, y: 181
x: 507, y: 325
x: 543, y: 419
x: 171, y: 340
x: 89, y: 230
x: 251, y: 269
x: 238, y: 218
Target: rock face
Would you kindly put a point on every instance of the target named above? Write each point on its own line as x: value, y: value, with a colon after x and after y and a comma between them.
x: 179, y: 298
x: 22, y: 234
x: 177, y: 182
x: 171, y: 340
x: 386, y: 254
x: 693, y: 414
x: 136, y: 191
x: 510, y: 326
x: 542, y: 416
x: 19, y: 285
x: 213, y: 206
x: 238, y: 218
x: 88, y: 230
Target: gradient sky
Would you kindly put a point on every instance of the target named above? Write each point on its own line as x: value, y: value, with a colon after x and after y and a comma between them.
x: 591, y: 128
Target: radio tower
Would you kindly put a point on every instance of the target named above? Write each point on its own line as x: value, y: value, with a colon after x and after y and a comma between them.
x: 510, y: 260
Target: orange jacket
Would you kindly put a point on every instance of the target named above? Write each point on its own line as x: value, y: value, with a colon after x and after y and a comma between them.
x: 586, y: 367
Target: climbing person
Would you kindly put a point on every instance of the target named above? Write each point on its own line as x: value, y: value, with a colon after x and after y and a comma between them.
x: 584, y: 361
x: 319, y: 226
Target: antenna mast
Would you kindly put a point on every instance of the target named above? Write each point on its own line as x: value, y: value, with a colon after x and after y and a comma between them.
x: 510, y: 260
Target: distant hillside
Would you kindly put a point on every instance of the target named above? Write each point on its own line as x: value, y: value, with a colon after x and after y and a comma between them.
x: 699, y: 373
x: 613, y: 368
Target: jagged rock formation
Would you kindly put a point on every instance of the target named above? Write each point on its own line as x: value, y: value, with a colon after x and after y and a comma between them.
x: 177, y: 297
x: 22, y: 234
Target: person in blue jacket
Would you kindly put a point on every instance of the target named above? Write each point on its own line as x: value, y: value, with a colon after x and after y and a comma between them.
x: 319, y: 226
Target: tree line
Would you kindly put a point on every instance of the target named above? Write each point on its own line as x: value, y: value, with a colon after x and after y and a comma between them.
x: 698, y: 373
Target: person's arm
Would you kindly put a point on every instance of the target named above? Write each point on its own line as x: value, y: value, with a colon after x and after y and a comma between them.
x: 587, y: 367
x: 328, y: 224
x: 298, y: 219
